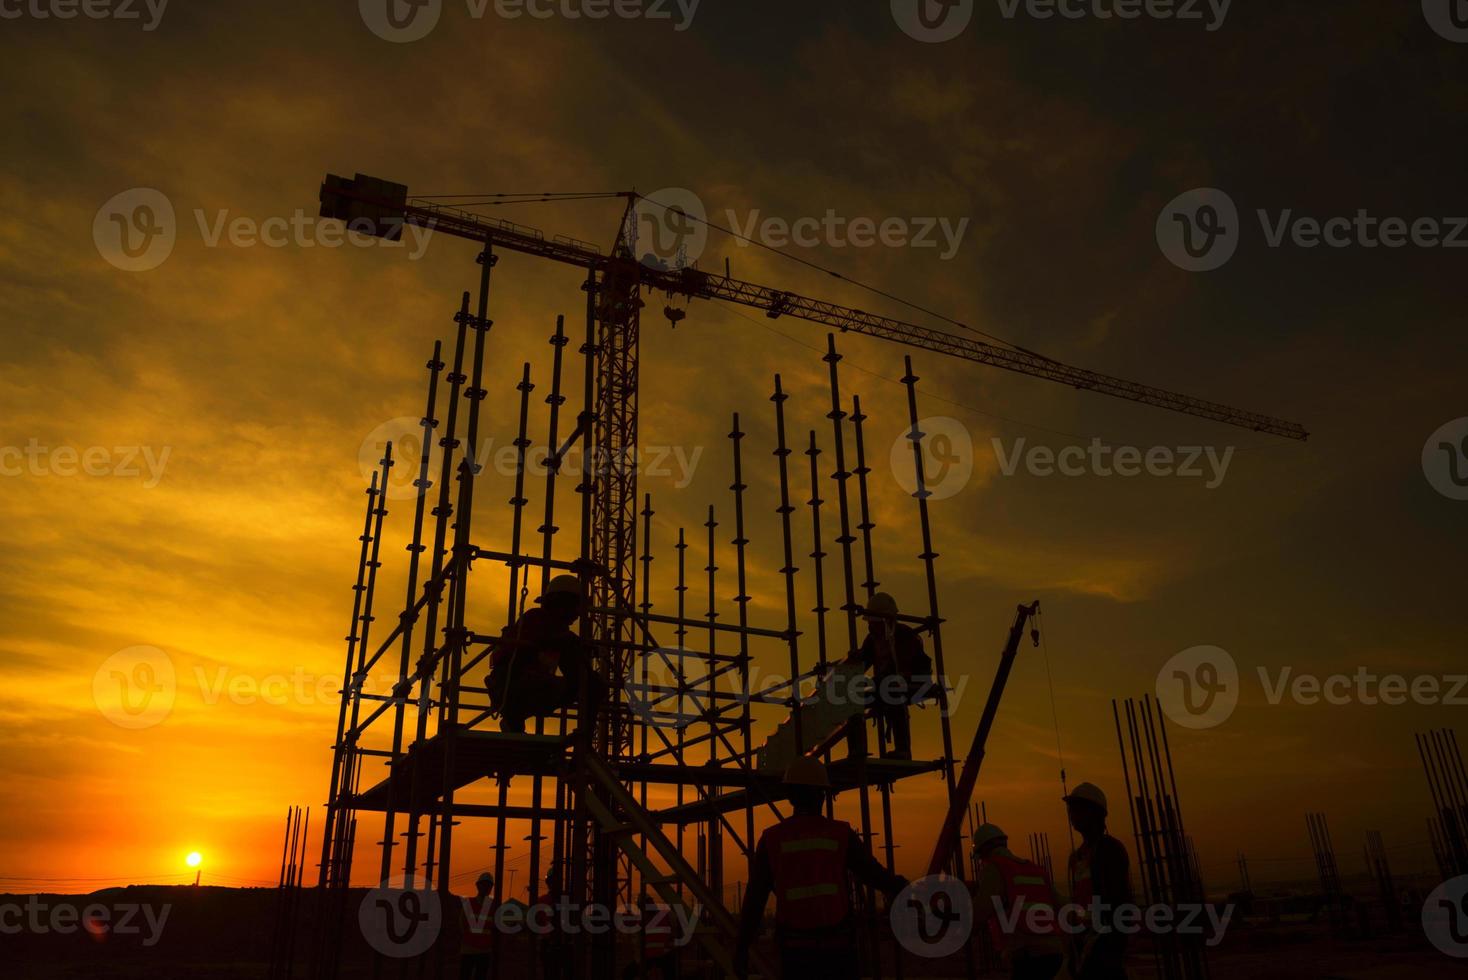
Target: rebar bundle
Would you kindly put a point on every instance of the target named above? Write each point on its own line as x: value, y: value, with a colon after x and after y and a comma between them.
x: 1332, y: 897
x: 1442, y: 762
x: 288, y: 894
x: 1380, y: 869
x: 1166, y: 861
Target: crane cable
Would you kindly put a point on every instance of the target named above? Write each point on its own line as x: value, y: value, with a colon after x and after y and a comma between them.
x: 855, y: 282
x: 534, y: 197
x: 1054, y: 713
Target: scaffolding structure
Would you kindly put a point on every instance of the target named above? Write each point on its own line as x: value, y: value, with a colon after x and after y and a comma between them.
x: 417, y: 745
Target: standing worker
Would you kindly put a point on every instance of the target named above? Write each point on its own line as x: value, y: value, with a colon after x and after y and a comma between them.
x: 659, y: 946
x: 476, y: 932
x: 1100, y: 882
x: 901, y: 673
x: 553, y: 946
x: 810, y: 861
x: 523, y: 681
x: 1009, y: 888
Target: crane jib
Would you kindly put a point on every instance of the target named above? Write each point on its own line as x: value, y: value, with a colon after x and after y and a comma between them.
x: 381, y: 208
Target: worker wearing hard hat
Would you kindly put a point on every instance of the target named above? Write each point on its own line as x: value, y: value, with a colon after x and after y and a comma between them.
x: 1100, y: 883
x: 659, y: 944
x: 1013, y: 890
x: 538, y: 665
x: 809, y: 861
x: 901, y: 674
x: 477, y: 931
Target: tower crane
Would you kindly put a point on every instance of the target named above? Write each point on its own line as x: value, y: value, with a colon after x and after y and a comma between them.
x: 384, y: 208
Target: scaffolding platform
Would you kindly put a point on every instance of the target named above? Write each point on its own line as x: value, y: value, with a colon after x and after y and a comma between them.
x: 846, y: 774
x: 477, y: 754
x: 487, y: 754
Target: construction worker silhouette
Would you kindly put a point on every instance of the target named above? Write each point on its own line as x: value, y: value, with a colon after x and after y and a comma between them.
x: 809, y: 861
x: 552, y: 944
x: 659, y: 954
x: 901, y: 674
x: 1032, y: 948
x: 477, y: 931
x: 538, y: 665
x: 1100, y: 882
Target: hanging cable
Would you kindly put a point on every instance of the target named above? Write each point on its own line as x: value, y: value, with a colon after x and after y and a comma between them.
x: 1054, y: 715
x: 855, y: 282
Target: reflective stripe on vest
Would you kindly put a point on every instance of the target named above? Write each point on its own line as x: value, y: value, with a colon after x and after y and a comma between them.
x: 1028, y: 887
x: 479, y: 926
x: 807, y: 855
x: 1081, y: 889
x: 658, y: 931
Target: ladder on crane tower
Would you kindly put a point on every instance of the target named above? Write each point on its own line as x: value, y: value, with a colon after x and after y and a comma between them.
x: 619, y: 815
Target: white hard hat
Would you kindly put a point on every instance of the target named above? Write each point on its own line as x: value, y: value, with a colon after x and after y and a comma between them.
x: 564, y: 585
x: 485, y: 879
x: 989, y: 834
x: 882, y: 604
x: 805, y: 771
x: 1088, y: 793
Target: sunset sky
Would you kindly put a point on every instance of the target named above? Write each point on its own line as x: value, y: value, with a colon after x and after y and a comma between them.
x: 227, y: 394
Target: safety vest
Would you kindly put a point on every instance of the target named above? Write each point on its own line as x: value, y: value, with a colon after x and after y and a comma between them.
x: 657, y: 927
x: 807, y: 854
x: 1026, y: 887
x: 478, y: 934
x: 1082, y: 888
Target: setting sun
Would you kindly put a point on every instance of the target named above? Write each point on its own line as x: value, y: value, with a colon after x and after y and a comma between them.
x: 194, y: 859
